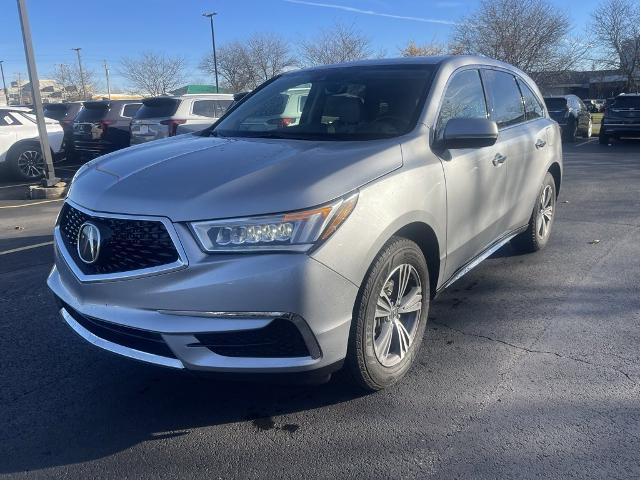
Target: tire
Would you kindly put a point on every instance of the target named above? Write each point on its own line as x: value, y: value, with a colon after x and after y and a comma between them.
x: 536, y: 237
x: 603, y: 139
x: 25, y: 162
x: 589, y: 131
x: 570, y: 132
x: 373, y: 363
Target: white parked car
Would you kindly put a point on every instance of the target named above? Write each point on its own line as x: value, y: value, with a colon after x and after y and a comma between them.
x: 20, y: 154
x: 161, y: 117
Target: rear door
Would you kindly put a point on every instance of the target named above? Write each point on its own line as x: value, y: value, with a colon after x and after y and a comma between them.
x: 8, y: 135
x: 476, y: 180
x: 525, y: 175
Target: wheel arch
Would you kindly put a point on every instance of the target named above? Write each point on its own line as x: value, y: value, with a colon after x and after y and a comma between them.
x: 425, y: 237
x: 556, y: 173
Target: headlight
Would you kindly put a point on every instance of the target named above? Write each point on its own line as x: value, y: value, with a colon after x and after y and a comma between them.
x: 295, y: 231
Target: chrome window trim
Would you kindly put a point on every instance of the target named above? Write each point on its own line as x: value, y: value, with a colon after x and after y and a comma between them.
x: 179, y: 264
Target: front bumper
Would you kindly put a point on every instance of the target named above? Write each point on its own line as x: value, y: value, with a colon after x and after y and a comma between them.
x: 214, y: 294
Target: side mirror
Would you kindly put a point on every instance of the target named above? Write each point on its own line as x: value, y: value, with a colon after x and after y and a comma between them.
x: 469, y: 133
x: 239, y: 96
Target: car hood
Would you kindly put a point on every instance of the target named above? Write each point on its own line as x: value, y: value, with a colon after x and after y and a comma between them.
x: 190, y: 177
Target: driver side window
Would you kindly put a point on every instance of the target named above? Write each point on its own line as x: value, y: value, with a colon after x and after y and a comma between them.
x: 464, y: 98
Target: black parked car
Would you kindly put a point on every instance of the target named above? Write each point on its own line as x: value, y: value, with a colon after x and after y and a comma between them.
x: 103, y: 126
x: 621, y: 118
x: 572, y: 115
x: 65, y: 114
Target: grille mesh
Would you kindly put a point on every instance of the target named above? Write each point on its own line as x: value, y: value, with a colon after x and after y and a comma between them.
x: 130, y: 244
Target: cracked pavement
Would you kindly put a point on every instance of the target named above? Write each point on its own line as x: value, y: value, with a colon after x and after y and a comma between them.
x: 530, y: 368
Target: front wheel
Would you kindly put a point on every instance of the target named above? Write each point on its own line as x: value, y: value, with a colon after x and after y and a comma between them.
x: 570, y: 131
x: 589, y: 131
x: 390, y: 316
x: 537, y: 234
x: 25, y: 162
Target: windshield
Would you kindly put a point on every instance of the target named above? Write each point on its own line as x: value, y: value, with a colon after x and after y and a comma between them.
x: 632, y: 103
x: 349, y: 103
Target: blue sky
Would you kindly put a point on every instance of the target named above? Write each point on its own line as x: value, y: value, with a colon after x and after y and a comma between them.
x: 113, y: 29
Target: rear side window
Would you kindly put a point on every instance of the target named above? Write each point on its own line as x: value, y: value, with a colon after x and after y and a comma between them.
x: 464, y: 98
x: 507, y: 108
x: 204, y: 108
x: 130, y: 109
x: 157, y: 108
x: 532, y: 107
x: 222, y: 106
x: 556, y: 104
x: 92, y: 113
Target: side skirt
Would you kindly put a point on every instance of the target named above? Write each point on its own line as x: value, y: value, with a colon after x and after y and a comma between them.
x: 477, y: 260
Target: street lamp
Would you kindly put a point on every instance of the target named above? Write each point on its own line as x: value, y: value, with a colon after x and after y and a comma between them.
x: 213, y: 43
x: 84, y: 89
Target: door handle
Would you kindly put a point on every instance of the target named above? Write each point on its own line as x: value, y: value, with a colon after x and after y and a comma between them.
x: 540, y: 143
x: 499, y: 159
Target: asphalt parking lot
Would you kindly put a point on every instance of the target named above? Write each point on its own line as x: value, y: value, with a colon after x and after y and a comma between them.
x: 530, y: 367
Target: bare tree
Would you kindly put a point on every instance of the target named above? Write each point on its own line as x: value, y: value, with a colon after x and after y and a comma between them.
x: 340, y: 43
x: 616, y: 26
x: 412, y: 49
x: 244, y: 66
x: 530, y: 34
x: 152, y: 73
x: 68, y: 77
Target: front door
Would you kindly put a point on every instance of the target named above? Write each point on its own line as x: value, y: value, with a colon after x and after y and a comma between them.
x: 475, y: 178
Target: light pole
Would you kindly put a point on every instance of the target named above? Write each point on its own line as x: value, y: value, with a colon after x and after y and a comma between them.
x: 4, y: 84
x: 106, y: 72
x: 84, y: 90
x: 213, y: 43
x: 51, y: 179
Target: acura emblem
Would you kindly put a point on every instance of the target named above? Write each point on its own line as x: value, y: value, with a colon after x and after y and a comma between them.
x: 89, y: 243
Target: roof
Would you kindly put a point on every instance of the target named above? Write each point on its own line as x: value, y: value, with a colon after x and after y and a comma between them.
x: 192, y: 89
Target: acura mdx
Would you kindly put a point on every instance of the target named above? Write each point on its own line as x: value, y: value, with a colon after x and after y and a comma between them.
x: 305, y: 246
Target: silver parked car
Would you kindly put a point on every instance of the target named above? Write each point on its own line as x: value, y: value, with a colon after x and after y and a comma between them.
x: 316, y: 243
x: 161, y: 117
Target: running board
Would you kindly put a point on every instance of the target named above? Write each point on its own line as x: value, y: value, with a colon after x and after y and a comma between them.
x: 493, y: 248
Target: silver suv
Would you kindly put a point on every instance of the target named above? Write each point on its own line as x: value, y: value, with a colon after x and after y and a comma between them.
x: 317, y: 243
x: 161, y: 117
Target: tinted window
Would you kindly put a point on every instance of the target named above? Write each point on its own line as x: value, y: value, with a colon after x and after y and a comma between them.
x: 222, y: 106
x: 92, y: 112
x: 532, y: 106
x: 555, y: 104
x: 55, y: 111
x: 345, y: 103
x: 205, y: 108
x: 626, y: 102
x: 157, y: 108
x: 464, y: 98
x: 505, y: 95
x: 130, y: 109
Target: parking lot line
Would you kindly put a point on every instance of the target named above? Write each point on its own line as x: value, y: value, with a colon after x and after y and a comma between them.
x: 588, y: 141
x: 33, y: 203
x: 28, y: 247
x: 18, y: 185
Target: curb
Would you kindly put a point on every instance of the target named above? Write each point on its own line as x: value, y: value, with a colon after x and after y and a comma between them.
x: 59, y: 190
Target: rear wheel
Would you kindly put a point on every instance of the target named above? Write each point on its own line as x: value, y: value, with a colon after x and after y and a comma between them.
x: 604, y: 139
x: 390, y: 316
x: 570, y: 132
x: 25, y: 162
x: 537, y: 234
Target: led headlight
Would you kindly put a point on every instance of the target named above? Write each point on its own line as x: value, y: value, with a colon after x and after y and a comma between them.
x: 295, y: 231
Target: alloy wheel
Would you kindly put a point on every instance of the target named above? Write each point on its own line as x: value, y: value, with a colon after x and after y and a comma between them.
x: 545, y: 212
x: 397, y: 315
x: 31, y: 164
